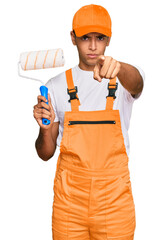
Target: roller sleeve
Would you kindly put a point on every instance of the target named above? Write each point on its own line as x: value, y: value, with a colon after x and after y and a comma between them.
x: 42, y: 59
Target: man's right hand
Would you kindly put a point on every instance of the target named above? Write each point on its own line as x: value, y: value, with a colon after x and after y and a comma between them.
x: 43, y: 110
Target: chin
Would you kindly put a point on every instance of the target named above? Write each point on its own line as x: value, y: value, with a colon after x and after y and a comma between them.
x: 92, y: 62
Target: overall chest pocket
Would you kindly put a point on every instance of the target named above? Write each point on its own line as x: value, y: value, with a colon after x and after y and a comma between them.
x: 92, y: 139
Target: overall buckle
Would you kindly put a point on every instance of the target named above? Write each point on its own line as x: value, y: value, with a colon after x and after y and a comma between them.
x: 112, y: 90
x: 72, y: 94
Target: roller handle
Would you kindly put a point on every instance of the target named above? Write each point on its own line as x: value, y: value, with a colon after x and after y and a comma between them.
x: 44, y: 92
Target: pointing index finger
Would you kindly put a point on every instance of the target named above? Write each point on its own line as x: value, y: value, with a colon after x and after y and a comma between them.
x: 101, y: 59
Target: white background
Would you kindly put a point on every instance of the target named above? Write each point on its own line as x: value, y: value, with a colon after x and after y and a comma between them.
x: 26, y: 182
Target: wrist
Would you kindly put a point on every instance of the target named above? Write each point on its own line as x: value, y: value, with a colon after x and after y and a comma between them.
x: 45, y: 131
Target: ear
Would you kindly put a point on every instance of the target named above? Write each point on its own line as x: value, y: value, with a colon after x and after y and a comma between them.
x: 73, y: 37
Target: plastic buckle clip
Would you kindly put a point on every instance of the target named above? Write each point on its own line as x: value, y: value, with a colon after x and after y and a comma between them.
x: 112, y: 90
x: 72, y: 94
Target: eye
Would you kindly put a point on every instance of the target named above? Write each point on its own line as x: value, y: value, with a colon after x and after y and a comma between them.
x: 84, y: 38
x: 101, y: 38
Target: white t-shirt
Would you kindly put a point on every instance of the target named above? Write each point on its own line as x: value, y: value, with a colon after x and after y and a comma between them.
x: 92, y: 95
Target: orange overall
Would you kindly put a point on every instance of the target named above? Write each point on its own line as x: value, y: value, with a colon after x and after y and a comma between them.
x: 92, y: 190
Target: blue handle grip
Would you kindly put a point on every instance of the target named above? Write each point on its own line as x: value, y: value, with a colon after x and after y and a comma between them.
x: 44, y: 92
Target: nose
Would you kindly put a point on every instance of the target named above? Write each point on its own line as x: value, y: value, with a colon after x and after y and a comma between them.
x: 92, y: 45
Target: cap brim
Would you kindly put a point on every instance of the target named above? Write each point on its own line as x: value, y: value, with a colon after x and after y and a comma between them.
x: 87, y: 29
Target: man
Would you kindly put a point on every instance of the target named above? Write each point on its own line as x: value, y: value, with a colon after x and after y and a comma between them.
x: 93, y: 196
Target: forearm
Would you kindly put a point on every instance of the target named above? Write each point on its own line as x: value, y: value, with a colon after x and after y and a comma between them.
x: 130, y: 78
x: 45, y: 145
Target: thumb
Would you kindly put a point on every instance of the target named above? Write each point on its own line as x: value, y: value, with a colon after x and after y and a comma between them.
x: 97, y: 72
x: 51, y: 108
x: 49, y: 100
x: 99, y: 64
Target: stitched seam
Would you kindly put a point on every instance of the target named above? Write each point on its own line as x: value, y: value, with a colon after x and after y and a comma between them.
x: 69, y: 204
x: 105, y: 213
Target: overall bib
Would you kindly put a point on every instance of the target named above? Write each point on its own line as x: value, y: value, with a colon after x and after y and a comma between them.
x: 92, y: 190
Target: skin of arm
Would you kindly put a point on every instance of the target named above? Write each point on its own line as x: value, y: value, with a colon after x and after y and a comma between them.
x: 130, y: 78
x: 46, y: 142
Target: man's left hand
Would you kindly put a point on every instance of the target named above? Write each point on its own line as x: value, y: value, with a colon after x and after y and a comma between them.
x: 106, y: 67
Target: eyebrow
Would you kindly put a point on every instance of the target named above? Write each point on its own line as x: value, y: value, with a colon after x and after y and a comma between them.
x: 101, y: 35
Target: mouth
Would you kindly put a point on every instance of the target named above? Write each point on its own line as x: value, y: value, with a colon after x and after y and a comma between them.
x: 92, y: 55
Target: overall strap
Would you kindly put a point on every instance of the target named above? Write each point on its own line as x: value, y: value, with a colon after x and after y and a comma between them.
x: 112, y: 87
x: 72, y: 91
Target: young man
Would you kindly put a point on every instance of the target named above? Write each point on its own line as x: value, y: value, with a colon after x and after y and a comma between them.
x: 89, y: 121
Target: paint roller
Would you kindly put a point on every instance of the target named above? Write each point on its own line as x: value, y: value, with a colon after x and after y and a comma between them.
x: 41, y: 60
